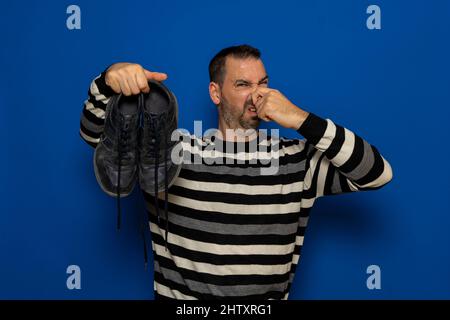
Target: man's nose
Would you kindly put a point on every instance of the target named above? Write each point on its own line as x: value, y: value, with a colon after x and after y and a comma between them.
x: 254, y: 87
x: 252, y: 94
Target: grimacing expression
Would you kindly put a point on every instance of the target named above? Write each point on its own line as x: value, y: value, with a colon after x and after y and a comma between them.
x: 242, y: 77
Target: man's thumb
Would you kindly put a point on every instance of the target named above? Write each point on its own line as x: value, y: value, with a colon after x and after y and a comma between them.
x: 158, y: 76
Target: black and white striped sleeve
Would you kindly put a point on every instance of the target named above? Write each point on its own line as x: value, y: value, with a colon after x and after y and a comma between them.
x: 93, y: 114
x: 339, y: 160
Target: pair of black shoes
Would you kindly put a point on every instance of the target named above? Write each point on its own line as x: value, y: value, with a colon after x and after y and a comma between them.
x: 136, y: 144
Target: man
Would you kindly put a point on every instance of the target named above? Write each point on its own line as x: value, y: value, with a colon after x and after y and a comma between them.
x: 235, y: 232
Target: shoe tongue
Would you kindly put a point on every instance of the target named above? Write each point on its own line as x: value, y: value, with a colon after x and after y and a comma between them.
x: 128, y: 106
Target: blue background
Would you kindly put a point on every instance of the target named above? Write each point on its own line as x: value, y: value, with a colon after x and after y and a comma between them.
x: 390, y: 86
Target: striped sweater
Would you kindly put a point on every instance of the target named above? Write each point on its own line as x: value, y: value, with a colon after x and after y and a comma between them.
x: 233, y: 232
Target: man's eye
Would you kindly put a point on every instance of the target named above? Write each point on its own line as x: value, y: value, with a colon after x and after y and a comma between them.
x: 241, y: 84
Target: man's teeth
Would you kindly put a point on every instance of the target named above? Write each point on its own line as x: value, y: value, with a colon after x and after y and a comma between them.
x: 252, y: 109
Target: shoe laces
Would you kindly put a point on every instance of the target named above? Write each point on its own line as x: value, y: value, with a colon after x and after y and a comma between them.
x: 123, y: 148
x: 156, y: 124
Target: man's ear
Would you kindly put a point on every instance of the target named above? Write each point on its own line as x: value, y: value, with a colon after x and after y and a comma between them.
x: 214, y: 93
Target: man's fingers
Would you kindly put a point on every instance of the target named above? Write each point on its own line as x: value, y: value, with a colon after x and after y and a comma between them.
x: 255, y: 97
x: 259, y: 93
x: 260, y: 106
x: 115, y: 85
x: 133, y: 85
x: 262, y: 114
x: 142, y: 82
x: 124, y: 88
x: 158, y: 76
x: 263, y: 90
x: 260, y: 100
x: 131, y: 78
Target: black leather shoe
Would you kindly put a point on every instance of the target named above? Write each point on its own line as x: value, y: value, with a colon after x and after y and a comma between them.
x: 160, y: 119
x: 157, y: 171
x: 115, y: 159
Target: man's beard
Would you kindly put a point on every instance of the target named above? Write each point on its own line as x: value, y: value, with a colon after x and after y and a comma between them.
x: 235, y: 120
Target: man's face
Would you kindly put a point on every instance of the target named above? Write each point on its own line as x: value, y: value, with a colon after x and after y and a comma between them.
x: 242, y: 77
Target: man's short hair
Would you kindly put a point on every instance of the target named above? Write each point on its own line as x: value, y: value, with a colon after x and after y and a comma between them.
x: 217, y: 64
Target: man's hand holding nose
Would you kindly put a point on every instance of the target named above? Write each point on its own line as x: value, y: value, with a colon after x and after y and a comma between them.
x: 272, y: 105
